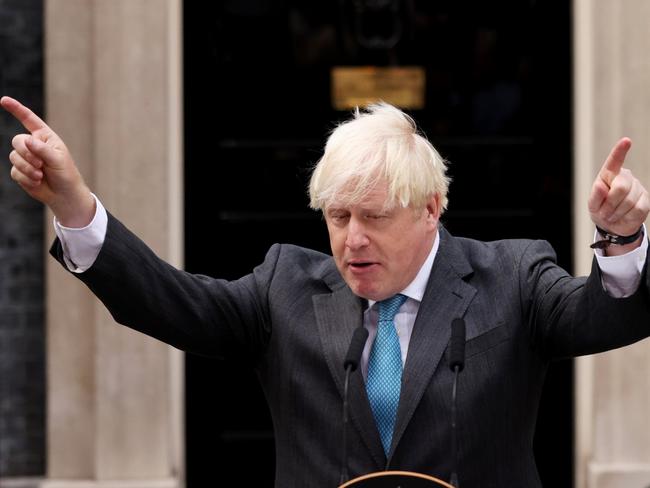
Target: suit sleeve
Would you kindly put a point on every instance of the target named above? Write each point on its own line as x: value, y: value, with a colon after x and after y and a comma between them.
x: 575, y: 316
x: 191, y: 312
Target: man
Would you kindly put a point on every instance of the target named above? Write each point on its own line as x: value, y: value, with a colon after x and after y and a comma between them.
x: 396, y: 271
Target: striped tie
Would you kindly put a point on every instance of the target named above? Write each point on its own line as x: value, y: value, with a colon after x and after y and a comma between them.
x: 385, y: 370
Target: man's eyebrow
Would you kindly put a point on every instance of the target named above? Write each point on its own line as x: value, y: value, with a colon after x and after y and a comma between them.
x: 375, y: 209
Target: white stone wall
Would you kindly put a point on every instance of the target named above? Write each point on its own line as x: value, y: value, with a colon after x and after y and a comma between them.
x: 114, y: 94
x: 611, y: 99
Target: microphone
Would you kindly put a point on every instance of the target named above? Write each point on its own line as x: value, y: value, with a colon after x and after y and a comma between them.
x: 350, y: 364
x: 355, y: 350
x: 456, y: 364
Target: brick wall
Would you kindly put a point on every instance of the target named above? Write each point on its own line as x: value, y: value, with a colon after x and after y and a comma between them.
x: 22, y: 350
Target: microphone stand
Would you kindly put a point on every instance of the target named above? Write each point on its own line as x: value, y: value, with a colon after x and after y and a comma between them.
x: 454, y: 434
x: 350, y: 364
x: 456, y: 363
x: 344, y: 470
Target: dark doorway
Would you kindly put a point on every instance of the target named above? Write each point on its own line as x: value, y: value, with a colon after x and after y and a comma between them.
x: 258, y: 110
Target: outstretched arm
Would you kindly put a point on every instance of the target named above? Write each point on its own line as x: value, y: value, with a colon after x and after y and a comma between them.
x: 44, y: 168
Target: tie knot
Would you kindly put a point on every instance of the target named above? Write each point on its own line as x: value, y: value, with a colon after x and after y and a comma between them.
x: 388, y: 308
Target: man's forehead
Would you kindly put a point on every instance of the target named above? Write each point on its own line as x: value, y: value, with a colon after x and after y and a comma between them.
x: 353, y: 196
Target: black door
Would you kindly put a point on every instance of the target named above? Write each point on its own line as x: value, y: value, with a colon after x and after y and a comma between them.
x: 497, y: 105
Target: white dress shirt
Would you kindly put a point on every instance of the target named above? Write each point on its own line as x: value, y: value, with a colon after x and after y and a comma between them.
x: 405, y: 318
x: 621, y: 275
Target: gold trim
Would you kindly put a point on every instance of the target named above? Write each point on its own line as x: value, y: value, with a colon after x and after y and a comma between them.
x: 379, y: 474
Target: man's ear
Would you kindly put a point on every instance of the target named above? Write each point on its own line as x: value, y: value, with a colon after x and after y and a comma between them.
x: 433, y: 210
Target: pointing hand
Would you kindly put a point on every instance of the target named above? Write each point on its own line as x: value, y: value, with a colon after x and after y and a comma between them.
x: 44, y: 168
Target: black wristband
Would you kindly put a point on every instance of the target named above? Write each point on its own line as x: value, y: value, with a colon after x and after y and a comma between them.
x: 609, y: 238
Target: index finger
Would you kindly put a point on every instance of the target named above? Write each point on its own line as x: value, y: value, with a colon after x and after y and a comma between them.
x: 615, y: 160
x: 25, y: 116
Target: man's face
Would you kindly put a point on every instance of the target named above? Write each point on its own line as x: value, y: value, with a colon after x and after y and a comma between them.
x: 380, y: 252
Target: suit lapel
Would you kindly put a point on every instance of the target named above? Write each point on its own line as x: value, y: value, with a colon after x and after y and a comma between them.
x: 447, y: 297
x: 337, y: 315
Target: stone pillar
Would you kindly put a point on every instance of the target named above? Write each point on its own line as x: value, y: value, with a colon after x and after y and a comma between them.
x: 612, y: 99
x: 113, y: 91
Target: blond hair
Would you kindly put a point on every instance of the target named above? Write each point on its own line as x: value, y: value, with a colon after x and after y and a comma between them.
x: 380, y: 143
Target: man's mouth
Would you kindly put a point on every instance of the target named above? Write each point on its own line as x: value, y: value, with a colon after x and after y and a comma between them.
x: 360, y: 265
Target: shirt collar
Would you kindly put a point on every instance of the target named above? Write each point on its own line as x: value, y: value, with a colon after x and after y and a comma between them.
x: 415, y: 290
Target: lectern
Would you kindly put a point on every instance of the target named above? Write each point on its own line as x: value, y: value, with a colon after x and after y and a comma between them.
x: 395, y: 479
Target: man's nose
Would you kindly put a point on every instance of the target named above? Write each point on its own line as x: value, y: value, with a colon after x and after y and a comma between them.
x: 357, y: 236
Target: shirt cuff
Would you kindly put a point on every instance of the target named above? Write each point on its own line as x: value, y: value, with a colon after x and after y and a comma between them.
x: 621, y: 275
x: 81, y: 246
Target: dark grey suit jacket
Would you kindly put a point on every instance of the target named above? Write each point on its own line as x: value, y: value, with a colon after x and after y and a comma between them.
x: 294, y: 316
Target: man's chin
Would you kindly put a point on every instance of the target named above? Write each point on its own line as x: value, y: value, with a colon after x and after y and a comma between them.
x: 368, y: 291
x: 361, y: 290
x: 366, y: 287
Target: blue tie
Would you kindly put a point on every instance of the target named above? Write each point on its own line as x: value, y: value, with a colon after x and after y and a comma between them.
x: 385, y: 370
